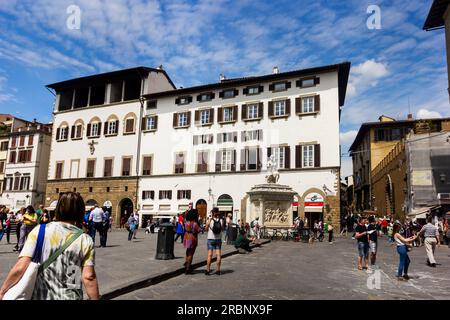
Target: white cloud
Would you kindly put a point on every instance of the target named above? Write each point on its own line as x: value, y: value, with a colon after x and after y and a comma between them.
x: 348, y: 137
x: 427, y: 114
x: 365, y: 75
x: 5, y: 92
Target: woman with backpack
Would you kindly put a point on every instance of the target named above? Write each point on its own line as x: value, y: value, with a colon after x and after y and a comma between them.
x: 215, y: 228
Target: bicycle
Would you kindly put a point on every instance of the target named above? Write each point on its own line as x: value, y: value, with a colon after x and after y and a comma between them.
x: 273, y: 234
x: 291, y: 234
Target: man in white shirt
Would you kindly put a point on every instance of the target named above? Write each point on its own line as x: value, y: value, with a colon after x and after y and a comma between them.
x: 97, y: 217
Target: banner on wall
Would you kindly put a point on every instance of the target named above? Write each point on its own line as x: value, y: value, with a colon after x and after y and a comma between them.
x: 314, y: 202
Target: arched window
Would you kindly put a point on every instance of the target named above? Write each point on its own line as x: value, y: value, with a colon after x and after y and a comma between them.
x: 94, y: 128
x: 130, y: 123
x: 62, y: 133
x: 77, y: 130
x: 111, y: 126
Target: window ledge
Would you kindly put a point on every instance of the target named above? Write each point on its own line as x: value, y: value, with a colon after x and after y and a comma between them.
x: 279, y: 117
x: 227, y: 122
x: 129, y: 133
x: 150, y: 130
x: 93, y: 137
x: 301, y: 114
x: 111, y: 135
x: 181, y: 127
x: 252, y: 119
x: 205, y: 124
x: 79, y: 138
x: 56, y: 141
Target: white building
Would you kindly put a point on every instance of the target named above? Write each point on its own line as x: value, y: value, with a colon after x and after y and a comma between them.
x: 25, y: 173
x: 207, y: 145
x: 210, y: 143
x: 96, y: 136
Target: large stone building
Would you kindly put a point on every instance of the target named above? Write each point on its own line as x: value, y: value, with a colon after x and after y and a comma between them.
x: 27, y: 156
x: 206, y: 145
x: 438, y: 18
x: 96, y: 138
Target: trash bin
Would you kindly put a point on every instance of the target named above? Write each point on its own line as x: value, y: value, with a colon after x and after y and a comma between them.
x: 304, y: 234
x: 164, y: 248
x: 232, y: 234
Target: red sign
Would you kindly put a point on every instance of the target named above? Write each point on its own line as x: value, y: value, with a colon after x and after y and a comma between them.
x: 313, y: 204
x: 295, y: 204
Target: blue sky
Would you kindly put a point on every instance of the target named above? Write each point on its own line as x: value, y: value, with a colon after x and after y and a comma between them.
x: 195, y: 41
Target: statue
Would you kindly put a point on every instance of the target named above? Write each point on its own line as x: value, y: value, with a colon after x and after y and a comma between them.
x: 272, y: 167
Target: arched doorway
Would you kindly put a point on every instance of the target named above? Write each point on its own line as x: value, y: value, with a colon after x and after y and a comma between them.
x: 202, y: 208
x: 225, y: 205
x: 90, y: 204
x: 126, y: 208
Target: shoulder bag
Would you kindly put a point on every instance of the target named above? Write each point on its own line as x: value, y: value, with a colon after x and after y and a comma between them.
x: 23, y: 290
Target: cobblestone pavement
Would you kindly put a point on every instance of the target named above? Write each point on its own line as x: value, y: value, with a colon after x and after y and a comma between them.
x: 122, y: 262
x: 288, y: 270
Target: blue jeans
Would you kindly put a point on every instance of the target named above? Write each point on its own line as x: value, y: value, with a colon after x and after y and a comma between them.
x: 404, y: 261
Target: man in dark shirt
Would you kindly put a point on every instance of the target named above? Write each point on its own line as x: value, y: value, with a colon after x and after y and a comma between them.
x: 363, y: 243
x: 373, y: 239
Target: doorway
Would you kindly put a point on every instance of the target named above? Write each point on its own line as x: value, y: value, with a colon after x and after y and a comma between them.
x: 126, y: 208
x: 313, y: 217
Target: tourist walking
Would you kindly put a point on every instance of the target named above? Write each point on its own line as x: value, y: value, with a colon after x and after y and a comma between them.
x: 60, y: 280
x: 29, y: 221
x: 363, y: 244
x: 228, y: 222
x: 255, y: 227
x: 106, y: 226
x: 402, y: 249
x: 131, y: 226
x: 192, y: 229
x: 215, y: 228
x: 431, y: 234
x: 330, y: 232
x: 180, y: 228
x: 8, y: 224
x: 18, y: 220
x: 97, y: 217
x: 136, y: 217
x: 3, y: 218
x: 372, y: 230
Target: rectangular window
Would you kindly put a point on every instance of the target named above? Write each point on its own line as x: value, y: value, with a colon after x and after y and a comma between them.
x: 165, y: 195
x: 112, y: 127
x: 228, y: 93
x: 396, y: 134
x: 308, y: 156
x: 304, y: 83
x: 307, y: 104
x: 179, y: 163
x: 12, y: 157
x: 59, y: 170
x: 251, y: 159
x: 280, y: 108
x: 252, y: 135
x: 148, y: 194
x: 16, y: 183
x: 202, y: 161
x: 147, y: 166
x: 183, y: 194
x: 279, y: 154
x: 90, y: 168
x: 252, y: 111
x: 129, y: 125
x: 227, y: 158
x: 151, y: 104
x: 30, y: 140
x: 107, y: 170
x: 95, y: 132
x: 24, y: 183
x: 228, y: 114
x: 279, y: 86
x: 205, y: 117
x: 126, y: 166
x: 228, y: 137
x: 4, y: 146
x: 151, y: 123
x: 14, y: 142
x: 253, y: 90
x: 22, y: 141
x: 183, y: 100
x: 205, y: 97
x: 63, y: 132
x: 182, y: 119
x: 2, y: 167
x: 78, y: 131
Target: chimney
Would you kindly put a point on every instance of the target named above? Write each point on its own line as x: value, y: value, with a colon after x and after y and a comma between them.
x: 410, y: 116
x: 160, y: 67
x: 222, y: 77
x: 275, y: 70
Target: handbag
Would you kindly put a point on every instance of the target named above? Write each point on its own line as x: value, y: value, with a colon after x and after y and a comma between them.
x: 23, y: 290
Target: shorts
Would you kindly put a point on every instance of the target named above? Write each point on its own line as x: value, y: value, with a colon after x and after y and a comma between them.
x: 363, y: 249
x: 373, y: 247
x: 214, y: 244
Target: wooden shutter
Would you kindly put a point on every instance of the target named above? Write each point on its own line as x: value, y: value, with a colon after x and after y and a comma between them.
x: 105, y: 129
x: 261, y: 110
x: 160, y: 194
x: 195, y: 140
x: 90, y: 168
x: 270, y: 108
x: 243, y: 160
x: 236, y: 92
x: 235, y: 138
x: 245, y: 91
x: 233, y: 161
x: 288, y: 84
x: 99, y: 128
x: 147, y: 166
x: 261, y: 89
x: 211, y: 116
x: 288, y: 107
x: 126, y: 166
x: 218, y: 161
x: 210, y: 139
x: 269, y: 152
x: 129, y: 125
x: 260, y: 135
x: 197, y: 116
x: 144, y: 123
x: 244, y: 112
x: 317, y: 155
x: 220, y: 114
x: 287, y: 157
x: 88, y: 131
x: 72, y: 132
x: 58, y: 131
x: 298, y: 105
x: 156, y: 122
x: 29, y: 155
x: 175, y: 120
x: 316, y: 80
x: 58, y: 170
x: 108, y: 168
x: 271, y: 87
x: 188, y: 113
x: 117, y: 126
x: 243, y: 136
x: 298, y: 156
x: 235, y: 113
x: 317, y: 103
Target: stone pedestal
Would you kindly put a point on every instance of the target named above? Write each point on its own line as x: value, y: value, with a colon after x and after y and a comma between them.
x: 272, y: 203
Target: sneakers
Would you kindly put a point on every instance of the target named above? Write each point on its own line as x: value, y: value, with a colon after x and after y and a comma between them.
x: 433, y: 265
x: 406, y: 277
